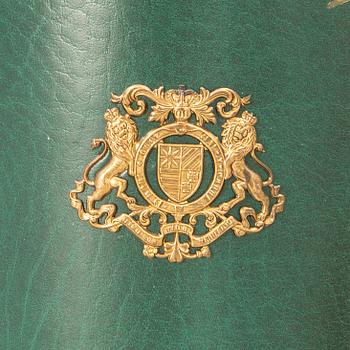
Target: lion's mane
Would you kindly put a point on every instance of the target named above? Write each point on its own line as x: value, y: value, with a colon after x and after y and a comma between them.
x: 239, y: 135
x: 121, y: 134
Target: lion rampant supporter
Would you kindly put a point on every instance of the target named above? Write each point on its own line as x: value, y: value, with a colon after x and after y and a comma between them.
x: 121, y: 136
x: 239, y: 140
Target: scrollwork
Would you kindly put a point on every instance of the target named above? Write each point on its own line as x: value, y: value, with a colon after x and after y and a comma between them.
x: 181, y: 103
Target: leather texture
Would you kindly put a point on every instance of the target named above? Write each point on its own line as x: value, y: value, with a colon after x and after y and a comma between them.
x: 67, y: 286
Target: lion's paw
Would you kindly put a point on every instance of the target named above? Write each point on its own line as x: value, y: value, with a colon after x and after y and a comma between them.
x: 261, y: 217
x: 224, y: 207
x: 259, y: 223
x: 130, y: 200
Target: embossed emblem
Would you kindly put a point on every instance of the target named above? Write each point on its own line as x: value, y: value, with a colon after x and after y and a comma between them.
x: 181, y: 200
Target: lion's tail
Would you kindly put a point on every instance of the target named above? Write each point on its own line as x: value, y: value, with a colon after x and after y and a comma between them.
x: 76, y: 202
x: 260, y: 148
x: 94, y: 144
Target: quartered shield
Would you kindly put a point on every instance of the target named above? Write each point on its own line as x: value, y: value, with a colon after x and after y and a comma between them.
x: 180, y: 169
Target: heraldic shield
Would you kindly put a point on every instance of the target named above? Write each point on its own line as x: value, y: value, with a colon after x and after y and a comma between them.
x: 180, y: 169
x: 180, y: 216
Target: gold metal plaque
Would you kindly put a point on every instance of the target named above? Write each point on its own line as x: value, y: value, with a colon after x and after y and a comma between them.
x: 172, y: 196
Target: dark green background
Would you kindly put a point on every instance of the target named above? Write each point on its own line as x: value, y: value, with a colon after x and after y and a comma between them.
x: 67, y: 286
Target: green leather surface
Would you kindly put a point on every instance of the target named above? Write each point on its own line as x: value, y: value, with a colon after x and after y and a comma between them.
x: 67, y: 286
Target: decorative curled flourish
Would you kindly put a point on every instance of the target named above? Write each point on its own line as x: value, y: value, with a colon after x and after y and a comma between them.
x: 181, y: 103
x: 145, y: 213
x: 180, y: 168
x: 232, y: 100
x: 212, y: 216
x: 132, y: 95
x: 176, y: 251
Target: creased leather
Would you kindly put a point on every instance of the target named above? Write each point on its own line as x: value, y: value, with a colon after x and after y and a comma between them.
x: 67, y: 286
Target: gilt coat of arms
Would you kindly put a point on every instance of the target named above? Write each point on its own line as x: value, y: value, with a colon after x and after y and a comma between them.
x: 179, y: 201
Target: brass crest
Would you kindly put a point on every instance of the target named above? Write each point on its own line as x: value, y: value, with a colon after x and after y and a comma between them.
x: 179, y: 201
